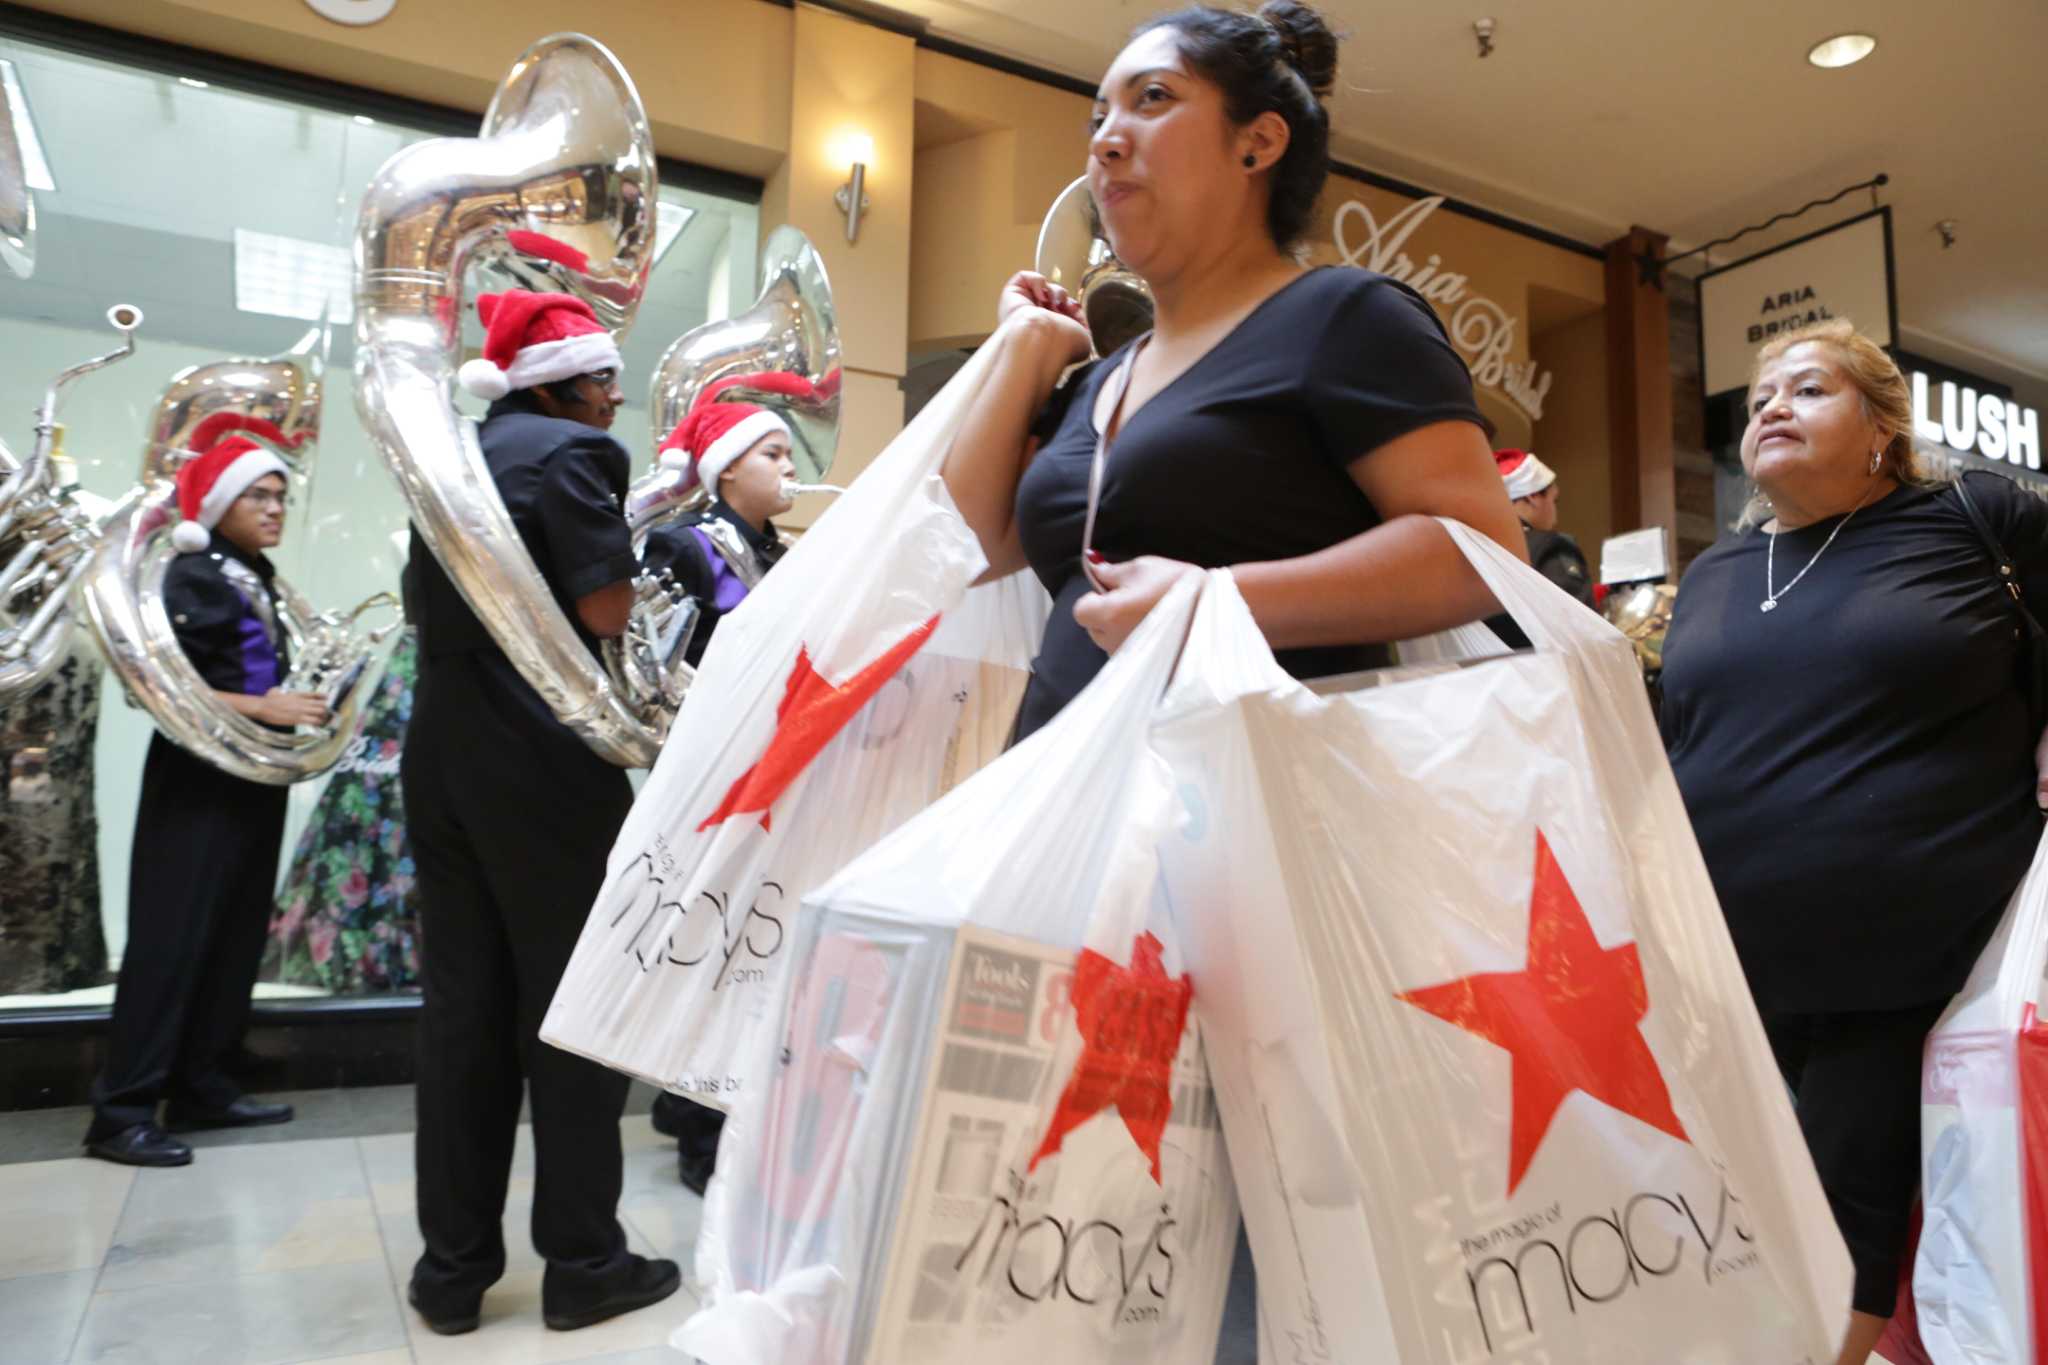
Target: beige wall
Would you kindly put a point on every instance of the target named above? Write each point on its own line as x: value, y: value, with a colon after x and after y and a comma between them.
x: 994, y: 151
x: 851, y: 81
x: 1572, y: 437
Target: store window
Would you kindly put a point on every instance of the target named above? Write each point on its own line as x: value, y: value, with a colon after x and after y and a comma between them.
x: 227, y: 217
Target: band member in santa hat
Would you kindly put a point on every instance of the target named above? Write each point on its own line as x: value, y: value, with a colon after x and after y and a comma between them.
x: 206, y: 843
x: 1532, y: 487
x: 739, y: 452
x: 511, y: 817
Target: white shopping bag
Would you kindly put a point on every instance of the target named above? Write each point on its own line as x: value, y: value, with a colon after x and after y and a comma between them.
x: 846, y: 692
x: 1980, y: 1280
x: 989, y: 1137
x: 1494, y: 1086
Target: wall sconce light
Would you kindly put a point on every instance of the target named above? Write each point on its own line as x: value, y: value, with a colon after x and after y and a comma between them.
x: 854, y: 151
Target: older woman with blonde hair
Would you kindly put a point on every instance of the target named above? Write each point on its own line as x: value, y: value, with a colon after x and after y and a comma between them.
x: 1847, y: 707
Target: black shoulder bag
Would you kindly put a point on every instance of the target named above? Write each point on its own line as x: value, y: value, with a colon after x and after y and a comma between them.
x: 2032, y: 657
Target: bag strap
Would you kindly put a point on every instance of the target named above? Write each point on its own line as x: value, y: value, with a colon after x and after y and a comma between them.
x: 1120, y: 383
x: 2008, y: 577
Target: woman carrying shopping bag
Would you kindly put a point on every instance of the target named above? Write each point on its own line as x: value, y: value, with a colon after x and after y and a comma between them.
x: 1853, y: 732
x: 1299, y: 426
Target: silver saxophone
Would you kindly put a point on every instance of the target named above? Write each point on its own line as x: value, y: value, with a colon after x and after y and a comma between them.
x: 791, y: 328
x: 47, y: 538
x: 564, y: 151
x: 123, y: 589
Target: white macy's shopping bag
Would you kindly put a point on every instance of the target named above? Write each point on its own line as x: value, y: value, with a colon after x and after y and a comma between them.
x: 838, y: 699
x: 989, y: 1137
x: 1491, y: 1076
x: 1980, y: 1280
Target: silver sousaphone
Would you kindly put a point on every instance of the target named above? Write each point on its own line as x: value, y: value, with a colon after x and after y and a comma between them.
x: 790, y: 329
x: 48, y: 534
x: 1073, y: 252
x: 565, y: 152
x: 331, y: 655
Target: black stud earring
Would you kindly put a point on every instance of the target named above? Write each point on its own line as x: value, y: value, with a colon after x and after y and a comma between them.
x: 1250, y: 161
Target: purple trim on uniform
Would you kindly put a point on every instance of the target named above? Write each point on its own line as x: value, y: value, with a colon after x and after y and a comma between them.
x: 727, y: 591
x: 259, y: 655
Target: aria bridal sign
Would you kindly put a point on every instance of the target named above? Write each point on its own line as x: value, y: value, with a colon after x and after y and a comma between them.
x: 355, y: 13
x: 1840, y: 272
x: 1478, y: 326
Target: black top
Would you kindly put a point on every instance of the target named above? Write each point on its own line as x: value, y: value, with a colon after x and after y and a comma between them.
x: 222, y: 602
x: 1857, y: 761
x: 1558, y: 558
x: 1245, y: 456
x: 564, y: 484
x: 703, y: 573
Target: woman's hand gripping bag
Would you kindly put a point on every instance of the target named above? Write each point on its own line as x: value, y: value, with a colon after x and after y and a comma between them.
x: 1493, y: 1083
x: 1980, y: 1279
x: 988, y: 1136
x: 844, y: 694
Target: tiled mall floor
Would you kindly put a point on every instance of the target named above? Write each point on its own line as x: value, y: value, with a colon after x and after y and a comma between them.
x: 294, y: 1250
x: 291, y: 1246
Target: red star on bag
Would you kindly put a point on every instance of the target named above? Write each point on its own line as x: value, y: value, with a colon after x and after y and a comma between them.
x: 1570, y: 1019
x: 1130, y: 1019
x: 812, y: 711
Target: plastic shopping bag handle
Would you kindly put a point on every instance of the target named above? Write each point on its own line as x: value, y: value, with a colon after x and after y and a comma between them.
x: 1551, y: 617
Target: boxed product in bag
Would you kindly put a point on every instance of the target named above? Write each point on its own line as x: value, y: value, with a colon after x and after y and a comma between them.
x: 988, y: 1135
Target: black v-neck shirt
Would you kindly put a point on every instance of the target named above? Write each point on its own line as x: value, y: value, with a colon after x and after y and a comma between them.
x: 1244, y: 457
x: 1858, y: 761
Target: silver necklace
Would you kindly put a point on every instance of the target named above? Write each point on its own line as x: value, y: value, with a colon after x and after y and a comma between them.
x: 1772, y: 594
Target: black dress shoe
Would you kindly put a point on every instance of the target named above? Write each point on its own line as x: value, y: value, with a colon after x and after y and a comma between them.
x: 445, y: 1321
x: 243, y: 1113
x: 642, y: 1283
x: 694, y: 1169
x: 669, y: 1114
x: 145, y: 1144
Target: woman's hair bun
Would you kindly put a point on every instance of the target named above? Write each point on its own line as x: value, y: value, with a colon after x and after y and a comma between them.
x: 1306, y: 42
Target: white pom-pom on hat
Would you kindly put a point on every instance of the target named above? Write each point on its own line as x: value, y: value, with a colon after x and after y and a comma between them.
x: 483, y: 379
x: 189, y: 538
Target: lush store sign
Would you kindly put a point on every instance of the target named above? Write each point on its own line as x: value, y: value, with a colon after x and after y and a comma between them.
x: 1960, y: 418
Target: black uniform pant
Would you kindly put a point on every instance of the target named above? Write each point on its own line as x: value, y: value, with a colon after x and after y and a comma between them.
x: 511, y: 818
x: 200, y: 890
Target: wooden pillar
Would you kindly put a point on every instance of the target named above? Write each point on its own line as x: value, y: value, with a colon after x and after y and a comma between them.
x: 1643, y: 486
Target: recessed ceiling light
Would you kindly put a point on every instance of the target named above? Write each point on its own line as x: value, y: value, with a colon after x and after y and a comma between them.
x: 195, y: 84
x: 366, y: 120
x: 1844, y: 49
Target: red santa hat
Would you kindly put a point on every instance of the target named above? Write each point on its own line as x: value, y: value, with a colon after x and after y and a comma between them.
x: 1523, y: 473
x: 222, y: 470
x: 717, y: 433
x: 534, y: 339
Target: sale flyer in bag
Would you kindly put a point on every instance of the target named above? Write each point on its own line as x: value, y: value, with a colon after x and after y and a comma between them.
x: 988, y: 1135
x: 1493, y: 1084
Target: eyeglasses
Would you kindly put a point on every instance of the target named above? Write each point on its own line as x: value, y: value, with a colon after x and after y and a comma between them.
x: 263, y: 497
x: 604, y: 379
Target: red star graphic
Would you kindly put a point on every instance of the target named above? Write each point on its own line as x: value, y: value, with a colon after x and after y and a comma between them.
x: 1130, y: 1020
x: 1570, y: 1019
x: 811, y: 713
